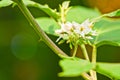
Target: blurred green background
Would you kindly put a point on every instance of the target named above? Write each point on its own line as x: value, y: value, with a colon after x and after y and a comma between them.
x: 23, y: 57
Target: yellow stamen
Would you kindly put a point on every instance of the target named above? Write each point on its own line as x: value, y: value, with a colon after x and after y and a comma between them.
x: 82, y: 28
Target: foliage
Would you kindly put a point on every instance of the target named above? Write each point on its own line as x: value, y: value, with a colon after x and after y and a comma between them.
x: 51, y: 25
x: 76, y: 69
x: 4, y: 3
x: 109, y: 69
x: 108, y: 31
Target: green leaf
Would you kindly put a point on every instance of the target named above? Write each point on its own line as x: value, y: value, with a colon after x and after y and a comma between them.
x: 108, y: 32
x: 45, y: 8
x: 5, y: 3
x: 48, y: 25
x: 74, y: 67
x: 79, y: 14
x: 28, y: 2
x: 65, y: 4
x: 111, y: 70
x: 113, y: 14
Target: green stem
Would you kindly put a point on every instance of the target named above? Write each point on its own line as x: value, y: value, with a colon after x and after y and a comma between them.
x: 75, y: 50
x: 37, y: 28
x: 84, y: 52
x: 86, y: 76
x: 87, y: 58
x: 94, y: 55
x: 93, y: 75
x: 92, y: 72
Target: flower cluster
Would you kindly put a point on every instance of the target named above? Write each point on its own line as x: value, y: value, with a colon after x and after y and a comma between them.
x: 72, y: 31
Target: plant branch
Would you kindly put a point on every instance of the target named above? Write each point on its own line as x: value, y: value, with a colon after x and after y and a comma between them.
x: 84, y: 52
x: 86, y: 76
x: 37, y: 28
x: 94, y: 55
x: 75, y: 50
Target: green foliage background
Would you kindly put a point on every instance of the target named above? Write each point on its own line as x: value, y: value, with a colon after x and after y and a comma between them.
x: 37, y: 62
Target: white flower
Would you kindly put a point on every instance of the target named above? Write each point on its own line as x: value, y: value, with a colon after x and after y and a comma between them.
x: 75, y: 25
x: 83, y: 30
x: 66, y: 27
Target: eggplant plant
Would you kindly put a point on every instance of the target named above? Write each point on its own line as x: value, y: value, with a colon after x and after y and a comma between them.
x: 76, y: 26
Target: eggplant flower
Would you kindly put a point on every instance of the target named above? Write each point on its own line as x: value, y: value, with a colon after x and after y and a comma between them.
x: 71, y: 29
x: 85, y: 30
x: 65, y: 31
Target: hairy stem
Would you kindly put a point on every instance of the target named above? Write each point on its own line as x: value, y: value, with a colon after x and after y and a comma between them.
x: 37, y: 28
